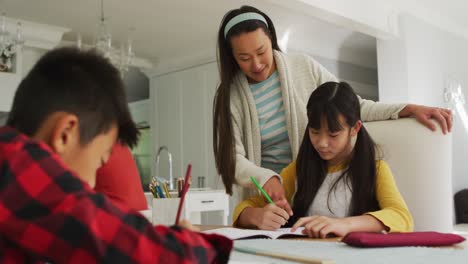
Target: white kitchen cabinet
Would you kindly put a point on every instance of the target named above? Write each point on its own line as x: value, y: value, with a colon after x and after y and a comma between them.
x: 183, y: 103
x: 202, y: 201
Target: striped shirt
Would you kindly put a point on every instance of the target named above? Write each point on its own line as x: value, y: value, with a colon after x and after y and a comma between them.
x: 276, y: 148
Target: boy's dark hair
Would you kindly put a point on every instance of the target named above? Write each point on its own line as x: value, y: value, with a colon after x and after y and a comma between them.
x: 82, y: 83
x: 329, y: 101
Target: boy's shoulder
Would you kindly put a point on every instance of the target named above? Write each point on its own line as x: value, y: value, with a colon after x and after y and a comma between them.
x: 19, y: 152
x: 11, y: 141
x: 31, y: 165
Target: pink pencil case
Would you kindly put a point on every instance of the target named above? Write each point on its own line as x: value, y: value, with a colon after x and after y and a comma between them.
x: 368, y: 239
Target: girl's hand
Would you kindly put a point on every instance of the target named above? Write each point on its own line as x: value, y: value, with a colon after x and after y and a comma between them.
x: 275, y: 190
x: 270, y: 217
x: 424, y: 114
x: 321, y: 226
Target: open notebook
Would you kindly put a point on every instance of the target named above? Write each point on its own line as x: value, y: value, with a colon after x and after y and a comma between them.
x: 237, y: 233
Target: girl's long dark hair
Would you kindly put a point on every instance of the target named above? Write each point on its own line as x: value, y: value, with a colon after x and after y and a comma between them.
x: 329, y: 101
x: 223, y: 136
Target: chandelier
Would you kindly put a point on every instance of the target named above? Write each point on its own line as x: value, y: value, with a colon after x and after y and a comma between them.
x: 122, y: 57
x: 9, y: 43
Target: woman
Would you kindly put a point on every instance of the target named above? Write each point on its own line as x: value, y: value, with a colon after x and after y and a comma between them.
x: 260, y: 104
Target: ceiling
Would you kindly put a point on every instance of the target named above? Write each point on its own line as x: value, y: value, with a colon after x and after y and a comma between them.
x: 452, y: 11
x: 167, y: 29
x: 164, y: 29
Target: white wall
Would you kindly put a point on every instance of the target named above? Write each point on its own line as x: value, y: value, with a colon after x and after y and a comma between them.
x: 30, y: 57
x: 372, y: 17
x: 415, y: 67
x: 363, y: 79
x: 392, y: 71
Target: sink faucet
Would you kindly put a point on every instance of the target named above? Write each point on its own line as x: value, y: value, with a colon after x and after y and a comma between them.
x: 171, y: 180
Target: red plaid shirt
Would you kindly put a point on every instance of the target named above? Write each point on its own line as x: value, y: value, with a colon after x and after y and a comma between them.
x: 47, y: 214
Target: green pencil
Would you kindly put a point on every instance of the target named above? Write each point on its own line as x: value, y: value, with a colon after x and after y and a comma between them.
x: 261, y: 189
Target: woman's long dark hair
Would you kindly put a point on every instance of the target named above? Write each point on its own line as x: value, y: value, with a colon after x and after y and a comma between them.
x: 329, y: 101
x: 223, y: 137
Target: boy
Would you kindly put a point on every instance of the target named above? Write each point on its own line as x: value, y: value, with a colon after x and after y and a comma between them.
x: 67, y: 114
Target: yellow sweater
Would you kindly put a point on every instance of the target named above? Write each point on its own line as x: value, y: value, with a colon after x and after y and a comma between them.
x: 394, y: 213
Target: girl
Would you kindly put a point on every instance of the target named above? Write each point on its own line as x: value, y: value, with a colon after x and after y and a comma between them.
x: 259, y: 107
x: 338, y: 184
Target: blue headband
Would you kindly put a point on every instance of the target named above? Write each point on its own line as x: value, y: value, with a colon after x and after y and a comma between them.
x: 241, y: 18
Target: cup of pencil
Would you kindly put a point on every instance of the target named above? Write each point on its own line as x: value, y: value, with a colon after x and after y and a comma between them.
x: 159, y: 189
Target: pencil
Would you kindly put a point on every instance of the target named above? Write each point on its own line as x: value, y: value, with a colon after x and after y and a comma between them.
x: 166, y: 190
x: 283, y: 256
x: 183, y: 192
x: 261, y: 189
x: 159, y: 191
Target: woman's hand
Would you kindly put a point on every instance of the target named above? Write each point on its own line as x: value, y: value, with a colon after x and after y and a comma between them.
x: 321, y: 226
x: 270, y: 217
x: 275, y: 190
x: 424, y: 114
